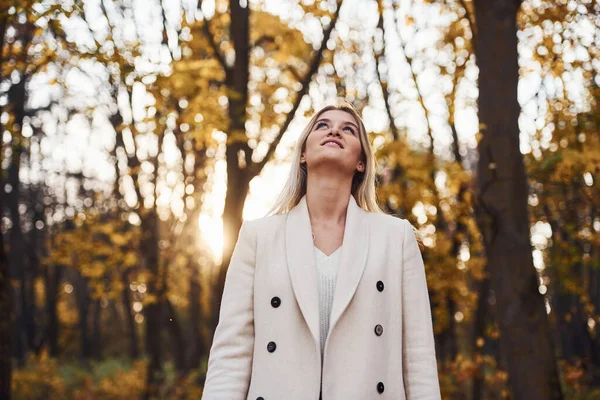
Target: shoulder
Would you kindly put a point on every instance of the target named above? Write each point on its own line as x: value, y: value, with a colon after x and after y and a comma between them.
x: 398, y: 229
x: 264, y: 223
x: 390, y: 222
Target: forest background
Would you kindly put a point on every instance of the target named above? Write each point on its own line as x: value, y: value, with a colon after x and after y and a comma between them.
x: 137, y: 135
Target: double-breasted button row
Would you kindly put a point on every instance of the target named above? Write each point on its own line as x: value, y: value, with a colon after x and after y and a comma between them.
x: 379, y: 328
x: 272, y: 346
x: 379, y: 331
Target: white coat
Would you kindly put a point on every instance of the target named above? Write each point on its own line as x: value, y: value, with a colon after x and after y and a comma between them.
x: 266, y: 345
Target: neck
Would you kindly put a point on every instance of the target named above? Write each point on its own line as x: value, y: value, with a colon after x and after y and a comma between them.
x: 327, y: 199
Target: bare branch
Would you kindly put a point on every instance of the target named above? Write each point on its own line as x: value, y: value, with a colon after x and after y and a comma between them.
x: 165, y: 36
x: 379, y: 58
x: 212, y: 43
x: 413, y: 74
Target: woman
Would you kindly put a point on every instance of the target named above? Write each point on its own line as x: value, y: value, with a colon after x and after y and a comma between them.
x: 327, y: 298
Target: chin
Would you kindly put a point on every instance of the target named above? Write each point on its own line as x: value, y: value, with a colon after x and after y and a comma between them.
x: 333, y: 162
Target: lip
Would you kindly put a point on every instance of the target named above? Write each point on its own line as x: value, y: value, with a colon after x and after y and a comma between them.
x: 333, y: 141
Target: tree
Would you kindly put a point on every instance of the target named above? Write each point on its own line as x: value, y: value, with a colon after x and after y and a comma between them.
x: 5, y: 323
x: 5, y: 286
x: 501, y: 208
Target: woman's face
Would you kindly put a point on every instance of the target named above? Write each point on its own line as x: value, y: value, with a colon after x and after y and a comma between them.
x: 334, y: 141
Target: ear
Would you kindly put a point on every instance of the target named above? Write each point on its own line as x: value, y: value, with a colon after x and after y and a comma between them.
x: 302, y: 158
x: 361, y: 166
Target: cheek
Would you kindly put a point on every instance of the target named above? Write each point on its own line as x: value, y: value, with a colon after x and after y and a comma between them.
x: 312, y: 142
x: 356, y: 147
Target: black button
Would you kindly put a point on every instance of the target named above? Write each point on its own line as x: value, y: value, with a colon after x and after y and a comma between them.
x: 380, y: 387
x: 275, y: 302
x: 380, y: 286
x: 260, y: 398
x: 271, y: 347
x: 378, y: 330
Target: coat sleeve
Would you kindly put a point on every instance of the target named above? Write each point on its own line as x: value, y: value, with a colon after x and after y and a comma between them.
x: 418, y: 349
x: 230, y: 360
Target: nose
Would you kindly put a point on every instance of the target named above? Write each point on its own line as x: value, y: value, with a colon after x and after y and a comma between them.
x: 334, y: 131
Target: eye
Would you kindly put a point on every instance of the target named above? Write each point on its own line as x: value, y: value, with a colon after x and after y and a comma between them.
x: 320, y: 125
x: 350, y: 129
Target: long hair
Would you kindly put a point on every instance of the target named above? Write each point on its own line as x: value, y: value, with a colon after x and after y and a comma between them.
x: 363, y: 183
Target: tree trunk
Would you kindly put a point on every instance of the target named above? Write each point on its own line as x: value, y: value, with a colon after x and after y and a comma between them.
x: 237, y: 179
x: 177, y: 339
x: 594, y: 293
x: 6, y: 322
x: 82, y: 297
x: 149, y: 245
x: 36, y: 336
x: 501, y: 209
x: 52, y: 283
x: 17, y: 97
x: 569, y: 311
x: 479, y: 327
x: 97, y: 331
x: 196, y: 338
x: 7, y: 317
x: 134, y: 341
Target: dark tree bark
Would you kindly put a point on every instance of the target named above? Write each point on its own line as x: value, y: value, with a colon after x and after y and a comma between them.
x: 197, y: 348
x: 17, y: 99
x: 149, y: 245
x: 6, y: 314
x: 479, y: 327
x: 171, y: 322
x: 5, y: 323
x: 577, y: 344
x: 134, y: 341
x: 501, y: 209
x: 237, y: 179
x: 82, y: 297
x: 52, y: 283
x: 17, y: 257
x: 36, y: 336
x: 96, y: 339
x: 178, y: 345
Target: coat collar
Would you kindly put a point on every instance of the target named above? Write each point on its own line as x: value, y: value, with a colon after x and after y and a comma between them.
x: 302, y: 266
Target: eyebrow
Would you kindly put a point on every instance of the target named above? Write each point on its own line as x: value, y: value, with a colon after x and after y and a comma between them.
x: 345, y: 123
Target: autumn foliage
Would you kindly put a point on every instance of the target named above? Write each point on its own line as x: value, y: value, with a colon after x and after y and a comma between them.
x: 136, y: 138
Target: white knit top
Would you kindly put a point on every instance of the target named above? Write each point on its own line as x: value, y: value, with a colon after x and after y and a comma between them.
x: 327, y: 267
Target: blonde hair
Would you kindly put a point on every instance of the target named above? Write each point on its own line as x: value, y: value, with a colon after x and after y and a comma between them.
x: 363, y: 183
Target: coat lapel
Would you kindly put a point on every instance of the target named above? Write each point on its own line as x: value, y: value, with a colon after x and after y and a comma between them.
x: 302, y: 266
x: 352, y: 260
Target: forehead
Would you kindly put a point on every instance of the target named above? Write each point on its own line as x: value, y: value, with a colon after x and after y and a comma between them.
x: 338, y: 116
